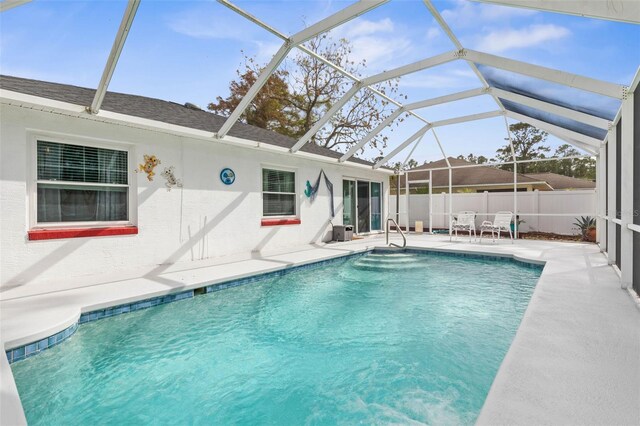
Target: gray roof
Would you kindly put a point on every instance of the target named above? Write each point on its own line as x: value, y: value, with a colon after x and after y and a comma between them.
x: 465, y: 176
x: 557, y: 181
x: 158, y: 110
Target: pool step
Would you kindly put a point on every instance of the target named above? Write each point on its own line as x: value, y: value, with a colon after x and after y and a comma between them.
x: 367, y: 264
x: 387, y: 260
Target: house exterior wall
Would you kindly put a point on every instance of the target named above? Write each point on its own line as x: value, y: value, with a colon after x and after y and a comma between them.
x: 204, y: 219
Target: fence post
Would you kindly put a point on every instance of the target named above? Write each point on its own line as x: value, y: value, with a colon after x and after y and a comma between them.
x: 485, y: 204
x: 536, y: 207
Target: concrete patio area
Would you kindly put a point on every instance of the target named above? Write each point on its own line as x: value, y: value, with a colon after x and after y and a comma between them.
x: 574, y: 359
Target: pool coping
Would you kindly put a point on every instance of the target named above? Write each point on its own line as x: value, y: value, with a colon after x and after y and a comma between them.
x: 519, y: 393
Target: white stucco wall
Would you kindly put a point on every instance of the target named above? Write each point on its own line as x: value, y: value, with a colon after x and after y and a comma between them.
x: 204, y: 219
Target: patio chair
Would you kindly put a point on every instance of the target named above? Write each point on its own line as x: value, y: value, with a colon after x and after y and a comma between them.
x: 465, y: 222
x: 502, y: 222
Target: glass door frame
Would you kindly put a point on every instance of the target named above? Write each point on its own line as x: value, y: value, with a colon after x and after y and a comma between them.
x: 355, y: 219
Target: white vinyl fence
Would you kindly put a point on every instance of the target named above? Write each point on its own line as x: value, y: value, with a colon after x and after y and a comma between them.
x: 543, y: 211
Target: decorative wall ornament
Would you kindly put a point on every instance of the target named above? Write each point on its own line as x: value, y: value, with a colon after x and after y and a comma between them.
x: 150, y: 162
x: 227, y: 176
x: 172, y: 181
x: 312, y: 191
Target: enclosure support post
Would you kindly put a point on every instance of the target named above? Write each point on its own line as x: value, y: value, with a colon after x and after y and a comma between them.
x: 626, y: 192
x: 430, y: 202
x: 611, y: 195
x: 406, y: 195
x: 450, y: 202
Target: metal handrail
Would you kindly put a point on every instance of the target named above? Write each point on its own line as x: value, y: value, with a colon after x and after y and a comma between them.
x: 404, y: 238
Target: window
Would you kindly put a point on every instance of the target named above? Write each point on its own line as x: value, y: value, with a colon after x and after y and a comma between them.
x: 80, y: 184
x: 278, y: 193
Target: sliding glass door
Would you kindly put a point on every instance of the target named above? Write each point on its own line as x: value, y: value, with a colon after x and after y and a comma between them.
x: 364, y: 210
x: 349, y: 202
x: 362, y: 202
x: 376, y: 206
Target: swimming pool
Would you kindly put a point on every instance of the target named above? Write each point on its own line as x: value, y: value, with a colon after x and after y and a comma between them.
x: 382, y: 337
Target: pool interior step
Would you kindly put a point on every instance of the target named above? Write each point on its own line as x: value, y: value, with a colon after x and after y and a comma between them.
x: 385, y: 262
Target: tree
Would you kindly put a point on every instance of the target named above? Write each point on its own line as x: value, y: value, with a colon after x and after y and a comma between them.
x: 527, y: 145
x: 584, y: 168
x: 269, y: 109
x: 296, y: 97
x: 411, y: 164
x: 481, y: 159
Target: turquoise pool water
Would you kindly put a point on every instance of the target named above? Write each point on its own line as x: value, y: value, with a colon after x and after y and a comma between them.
x: 380, y: 338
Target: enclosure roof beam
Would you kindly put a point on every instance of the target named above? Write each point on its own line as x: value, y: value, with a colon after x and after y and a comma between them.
x: 564, y: 78
x: 567, y: 135
x: 338, y: 18
x: 327, y: 62
x: 431, y: 62
x: 371, y: 134
x: 552, y: 108
x: 112, y: 60
x: 445, y: 27
x: 10, y: 4
x: 320, y: 27
x: 254, y: 89
x: 253, y: 19
x: 611, y: 10
x: 326, y: 117
x: 402, y: 146
x: 467, y: 118
x: 447, y: 98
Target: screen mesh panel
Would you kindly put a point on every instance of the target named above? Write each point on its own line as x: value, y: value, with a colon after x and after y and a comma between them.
x: 636, y: 189
x: 618, y: 212
x: 565, y: 123
x: 557, y: 94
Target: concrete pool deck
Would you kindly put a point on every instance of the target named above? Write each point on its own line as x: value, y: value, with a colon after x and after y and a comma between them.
x: 574, y: 359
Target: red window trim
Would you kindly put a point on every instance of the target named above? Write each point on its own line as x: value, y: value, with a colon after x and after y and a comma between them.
x: 54, y: 234
x: 277, y: 222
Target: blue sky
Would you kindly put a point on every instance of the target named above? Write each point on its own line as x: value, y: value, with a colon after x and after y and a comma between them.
x: 188, y: 51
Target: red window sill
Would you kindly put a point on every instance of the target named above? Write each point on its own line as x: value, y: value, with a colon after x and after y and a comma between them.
x: 278, y: 222
x: 54, y: 234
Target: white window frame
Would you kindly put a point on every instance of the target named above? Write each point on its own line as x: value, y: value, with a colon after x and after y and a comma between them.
x: 296, y: 213
x: 32, y: 187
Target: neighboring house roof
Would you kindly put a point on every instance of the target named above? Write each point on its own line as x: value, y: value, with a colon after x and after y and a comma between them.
x: 463, y: 177
x: 557, y: 181
x: 158, y: 110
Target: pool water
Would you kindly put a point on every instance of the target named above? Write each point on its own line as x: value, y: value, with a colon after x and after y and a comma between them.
x: 380, y: 338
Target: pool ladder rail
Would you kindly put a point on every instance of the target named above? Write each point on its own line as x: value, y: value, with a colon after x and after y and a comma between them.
x: 404, y: 238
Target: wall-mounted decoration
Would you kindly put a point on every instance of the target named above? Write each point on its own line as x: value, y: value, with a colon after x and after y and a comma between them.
x: 313, y: 190
x: 171, y: 178
x: 308, y: 191
x: 227, y: 176
x: 150, y: 163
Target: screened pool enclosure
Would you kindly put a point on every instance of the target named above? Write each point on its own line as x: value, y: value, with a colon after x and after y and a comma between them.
x: 597, y: 117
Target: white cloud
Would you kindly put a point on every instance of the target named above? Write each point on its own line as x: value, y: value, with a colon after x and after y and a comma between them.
x: 363, y: 27
x: 378, y: 51
x: 533, y: 35
x: 203, y: 23
x: 433, y: 33
x: 466, y: 13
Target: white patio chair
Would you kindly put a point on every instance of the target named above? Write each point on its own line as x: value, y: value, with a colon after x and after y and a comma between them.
x: 465, y: 222
x: 502, y: 222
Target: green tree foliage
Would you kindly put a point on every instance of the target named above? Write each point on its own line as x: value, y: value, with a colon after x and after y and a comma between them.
x: 480, y: 159
x: 527, y: 145
x: 298, y: 95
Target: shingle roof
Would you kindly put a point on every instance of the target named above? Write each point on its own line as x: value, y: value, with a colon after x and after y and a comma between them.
x: 563, y: 182
x: 466, y: 176
x: 158, y: 110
